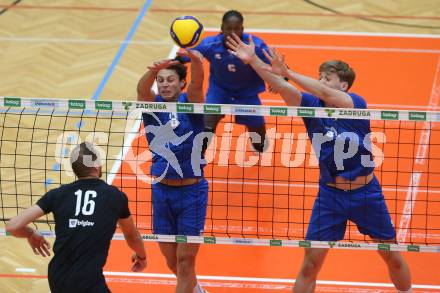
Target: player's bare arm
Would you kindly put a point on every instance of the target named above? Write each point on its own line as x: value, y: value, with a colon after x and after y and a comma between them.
x: 195, y: 87
x: 134, y: 241
x: 290, y: 94
x: 332, y: 97
x: 17, y: 226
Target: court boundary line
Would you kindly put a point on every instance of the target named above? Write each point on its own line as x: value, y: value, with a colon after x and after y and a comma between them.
x: 235, y: 279
x: 349, y: 48
x: 266, y: 280
x: 336, y: 33
x: 163, y: 43
x: 30, y: 39
x: 418, y: 162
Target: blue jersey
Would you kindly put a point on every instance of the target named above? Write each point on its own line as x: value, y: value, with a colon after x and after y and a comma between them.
x: 337, y: 132
x: 227, y: 72
x: 171, y: 138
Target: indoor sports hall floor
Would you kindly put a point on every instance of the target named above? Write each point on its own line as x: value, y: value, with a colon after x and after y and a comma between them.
x: 394, y: 71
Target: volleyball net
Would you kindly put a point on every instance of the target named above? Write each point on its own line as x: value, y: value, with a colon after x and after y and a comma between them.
x: 254, y: 199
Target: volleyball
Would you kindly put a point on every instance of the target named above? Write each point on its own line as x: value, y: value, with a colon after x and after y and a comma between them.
x: 186, y: 31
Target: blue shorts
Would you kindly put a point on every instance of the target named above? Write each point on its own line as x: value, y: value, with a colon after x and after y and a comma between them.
x: 364, y: 206
x: 216, y: 96
x: 180, y: 210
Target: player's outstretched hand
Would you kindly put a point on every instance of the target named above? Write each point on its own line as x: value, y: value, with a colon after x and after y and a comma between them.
x: 139, y: 264
x: 158, y: 65
x: 278, y: 66
x: 39, y: 244
x: 240, y: 49
x: 192, y: 54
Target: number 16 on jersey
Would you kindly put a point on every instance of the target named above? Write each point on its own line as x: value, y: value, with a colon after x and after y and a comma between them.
x: 88, y: 204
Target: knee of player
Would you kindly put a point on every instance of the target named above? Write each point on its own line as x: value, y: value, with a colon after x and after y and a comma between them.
x: 185, y: 266
x: 310, y: 268
x: 172, y: 265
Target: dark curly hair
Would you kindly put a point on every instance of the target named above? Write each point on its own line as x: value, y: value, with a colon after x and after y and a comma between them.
x: 232, y: 13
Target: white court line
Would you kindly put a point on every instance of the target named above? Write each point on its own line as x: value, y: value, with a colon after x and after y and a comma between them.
x: 419, y: 162
x: 265, y: 280
x: 123, y: 152
x: 396, y: 106
x: 166, y: 43
x: 345, y: 48
x: 349, y: 48
x: 25, y: 39
x: 332, y: 33
x: 132, y: 134
x: 25, y: 270
x: 277, y: 184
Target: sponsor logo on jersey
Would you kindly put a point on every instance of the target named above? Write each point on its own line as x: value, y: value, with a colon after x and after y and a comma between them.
x: 73, y: 223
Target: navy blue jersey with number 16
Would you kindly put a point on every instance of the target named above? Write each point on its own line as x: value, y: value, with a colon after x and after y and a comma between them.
x: 85, y: 212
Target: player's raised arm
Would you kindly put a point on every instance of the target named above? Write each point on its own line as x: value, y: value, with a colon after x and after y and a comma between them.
x: 195, y: 87
x: 332, y: 97
x: 290, y: 94
x: 144, y: 91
